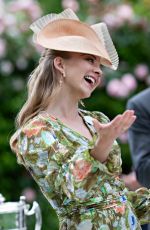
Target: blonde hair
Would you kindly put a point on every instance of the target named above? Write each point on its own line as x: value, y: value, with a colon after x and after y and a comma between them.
x: 42, y: 86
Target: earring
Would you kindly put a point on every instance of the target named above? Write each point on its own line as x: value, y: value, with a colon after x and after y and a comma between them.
x: 61, y: 81
x: 63, y: 74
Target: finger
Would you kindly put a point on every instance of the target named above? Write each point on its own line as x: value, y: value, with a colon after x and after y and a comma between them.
x: 128, y: 116
x: 127, y: 119
x: 128, y: 111
x: 97, y: 125
x: 116, y: 121
x: 125, y: 126
x: 123, y: 121
x: 120, y: 117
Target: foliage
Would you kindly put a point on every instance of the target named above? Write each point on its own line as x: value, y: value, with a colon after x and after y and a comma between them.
x: 129, y: 28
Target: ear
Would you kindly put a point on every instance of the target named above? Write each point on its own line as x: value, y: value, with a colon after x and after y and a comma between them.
x: 59, y: 64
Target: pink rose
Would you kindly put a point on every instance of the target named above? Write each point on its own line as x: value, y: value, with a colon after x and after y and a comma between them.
x: 125, y: 12
x: 117, y: 88
x: 141, y: 71
x: 129, y: 80
x: 72, y: 4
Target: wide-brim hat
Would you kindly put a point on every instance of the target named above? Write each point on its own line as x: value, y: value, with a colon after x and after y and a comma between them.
x: 65, y: 32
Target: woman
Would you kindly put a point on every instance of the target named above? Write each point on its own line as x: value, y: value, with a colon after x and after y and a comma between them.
x: 72, y: 153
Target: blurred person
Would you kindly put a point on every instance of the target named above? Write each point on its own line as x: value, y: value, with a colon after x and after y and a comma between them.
x: 139, y: 141
x: 131, y: 181
x: 72, y: 153
x: 133, y: 184
x: 139, y: 136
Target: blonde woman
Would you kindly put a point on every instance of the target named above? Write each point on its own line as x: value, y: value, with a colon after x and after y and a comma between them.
x: 72, y: 153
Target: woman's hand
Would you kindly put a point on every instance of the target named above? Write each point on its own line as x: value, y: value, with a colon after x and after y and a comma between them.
x: 107, y: 133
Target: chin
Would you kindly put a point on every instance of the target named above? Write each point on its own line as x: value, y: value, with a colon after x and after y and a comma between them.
x: 85, y: 93
x: 84, y: 96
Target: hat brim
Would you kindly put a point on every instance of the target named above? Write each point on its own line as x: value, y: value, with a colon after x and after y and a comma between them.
x: 76, y: 44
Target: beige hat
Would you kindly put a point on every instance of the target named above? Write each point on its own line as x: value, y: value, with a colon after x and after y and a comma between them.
x: 66, y: 32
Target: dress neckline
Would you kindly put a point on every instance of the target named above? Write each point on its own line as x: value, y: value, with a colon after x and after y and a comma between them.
x: 55, y: 119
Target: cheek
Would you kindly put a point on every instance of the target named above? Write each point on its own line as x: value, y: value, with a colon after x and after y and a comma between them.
x: 77, y: 69
x: 99, y: 82
x: 72, y: 70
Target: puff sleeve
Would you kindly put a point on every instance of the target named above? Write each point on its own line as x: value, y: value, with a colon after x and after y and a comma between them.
x: 37, y: 147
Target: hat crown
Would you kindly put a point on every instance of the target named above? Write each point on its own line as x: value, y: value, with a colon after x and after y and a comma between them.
x: 69, y: 27
x: 39, y: 24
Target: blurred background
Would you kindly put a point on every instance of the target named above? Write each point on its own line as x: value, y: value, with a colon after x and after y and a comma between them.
x: 128, y: 23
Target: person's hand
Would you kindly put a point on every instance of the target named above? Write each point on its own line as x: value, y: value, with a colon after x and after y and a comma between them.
x: 131, y: 181
x: 107, y: 133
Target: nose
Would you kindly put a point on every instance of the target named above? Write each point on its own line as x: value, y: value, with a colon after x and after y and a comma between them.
x: 98, y: 71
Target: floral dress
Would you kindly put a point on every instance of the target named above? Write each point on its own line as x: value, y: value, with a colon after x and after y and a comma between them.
x: 85, y: 193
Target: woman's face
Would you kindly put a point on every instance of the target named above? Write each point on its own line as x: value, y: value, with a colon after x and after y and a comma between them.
x: 83, y: 74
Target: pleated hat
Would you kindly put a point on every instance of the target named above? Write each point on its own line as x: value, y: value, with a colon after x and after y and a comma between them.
x: 65, y: 32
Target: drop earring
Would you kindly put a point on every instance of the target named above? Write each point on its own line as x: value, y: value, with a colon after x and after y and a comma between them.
x: 63, y: 74
x: 62, y: 79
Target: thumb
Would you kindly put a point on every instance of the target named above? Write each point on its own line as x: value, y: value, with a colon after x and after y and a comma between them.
x: 97, y: 125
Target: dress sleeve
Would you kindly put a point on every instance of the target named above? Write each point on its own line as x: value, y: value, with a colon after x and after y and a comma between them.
x: 113, y: 162
x: 140, y: 200
x: 38, y: 146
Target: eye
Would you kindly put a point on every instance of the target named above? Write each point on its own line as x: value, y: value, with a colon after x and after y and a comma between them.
x: 90, y: 59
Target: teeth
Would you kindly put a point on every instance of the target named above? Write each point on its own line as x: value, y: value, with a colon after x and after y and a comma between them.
x: 90, y: 78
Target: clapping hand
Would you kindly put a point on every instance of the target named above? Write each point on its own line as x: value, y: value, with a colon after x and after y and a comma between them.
x: 107, y: 133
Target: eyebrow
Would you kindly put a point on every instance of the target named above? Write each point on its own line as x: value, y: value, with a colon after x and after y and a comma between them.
x: 89, y: 55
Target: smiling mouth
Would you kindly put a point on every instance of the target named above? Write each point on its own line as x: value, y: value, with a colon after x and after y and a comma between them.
x: 90, y: 80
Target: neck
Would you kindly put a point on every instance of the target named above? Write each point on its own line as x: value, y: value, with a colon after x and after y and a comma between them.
x: 64, y: 106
